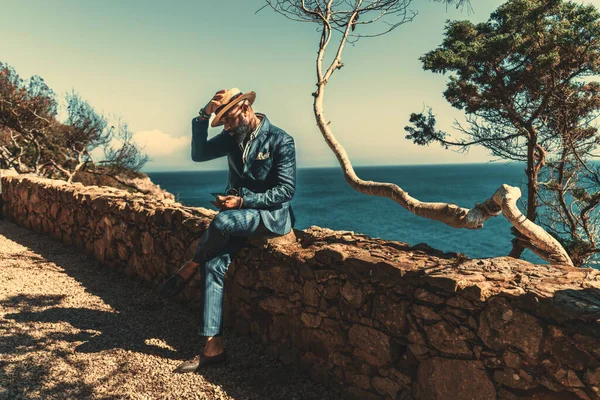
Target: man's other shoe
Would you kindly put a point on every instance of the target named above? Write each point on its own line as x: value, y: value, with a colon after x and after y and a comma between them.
x: 200, y: 362
x: 173, y: 286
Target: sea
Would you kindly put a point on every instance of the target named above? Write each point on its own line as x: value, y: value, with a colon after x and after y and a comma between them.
x: 323, y: 198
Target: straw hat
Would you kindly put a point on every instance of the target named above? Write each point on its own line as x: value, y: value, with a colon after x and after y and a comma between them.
x: 231, y: 98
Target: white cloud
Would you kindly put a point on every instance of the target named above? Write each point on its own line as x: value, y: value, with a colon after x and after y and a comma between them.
x: 158, y: 144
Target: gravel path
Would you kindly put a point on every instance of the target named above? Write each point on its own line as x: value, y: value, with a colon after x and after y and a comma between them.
x: 71, y: 328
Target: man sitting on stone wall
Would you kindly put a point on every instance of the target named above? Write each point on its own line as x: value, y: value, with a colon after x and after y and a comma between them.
x: 262, y: 181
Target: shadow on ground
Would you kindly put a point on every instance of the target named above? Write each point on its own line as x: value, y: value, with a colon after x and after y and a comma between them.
x: 139, y: 321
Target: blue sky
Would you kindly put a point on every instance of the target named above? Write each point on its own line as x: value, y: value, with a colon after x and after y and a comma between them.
x: 155, y: 63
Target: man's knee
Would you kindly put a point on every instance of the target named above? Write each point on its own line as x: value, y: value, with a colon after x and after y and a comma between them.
x: 222, y: 223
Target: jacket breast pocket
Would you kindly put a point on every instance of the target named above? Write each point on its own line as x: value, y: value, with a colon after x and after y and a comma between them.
x: 261, y: 168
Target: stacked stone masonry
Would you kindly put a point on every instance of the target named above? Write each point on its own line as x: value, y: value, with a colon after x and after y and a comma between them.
x: 378, y: 319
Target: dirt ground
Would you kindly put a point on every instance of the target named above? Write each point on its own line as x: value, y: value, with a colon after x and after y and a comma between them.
x: 71, y: 328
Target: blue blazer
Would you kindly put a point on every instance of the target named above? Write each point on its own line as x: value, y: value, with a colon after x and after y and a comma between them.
x: 268, y: 183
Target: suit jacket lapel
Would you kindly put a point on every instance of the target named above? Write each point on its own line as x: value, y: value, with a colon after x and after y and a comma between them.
x: 256, y: 143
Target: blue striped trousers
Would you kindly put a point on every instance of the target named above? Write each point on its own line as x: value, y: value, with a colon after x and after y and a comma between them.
x: 226, y: 235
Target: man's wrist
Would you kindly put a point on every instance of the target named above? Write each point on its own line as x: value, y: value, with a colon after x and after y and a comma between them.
x: 203, y: 114
x: 241, y: 202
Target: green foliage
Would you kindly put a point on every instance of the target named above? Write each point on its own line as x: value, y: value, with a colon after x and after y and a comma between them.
x: 424, y: 132
x: 32, y: 139
x: 524, y: 51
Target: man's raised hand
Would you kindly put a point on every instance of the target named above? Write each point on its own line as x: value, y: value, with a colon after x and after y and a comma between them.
x: 215, y: 102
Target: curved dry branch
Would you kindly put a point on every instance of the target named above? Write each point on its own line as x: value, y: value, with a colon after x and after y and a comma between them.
x: 503, y: 201
x: 543, y: 244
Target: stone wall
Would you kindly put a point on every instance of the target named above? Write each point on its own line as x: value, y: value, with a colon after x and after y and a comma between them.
x: 380, y: 319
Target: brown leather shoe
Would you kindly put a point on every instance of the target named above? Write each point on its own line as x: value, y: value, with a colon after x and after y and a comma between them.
x: 200, y: 362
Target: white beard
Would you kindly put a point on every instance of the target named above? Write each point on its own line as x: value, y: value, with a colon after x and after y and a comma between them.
x: 240, y: 133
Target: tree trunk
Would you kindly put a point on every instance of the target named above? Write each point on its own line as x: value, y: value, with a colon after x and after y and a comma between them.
x: 532, y: 193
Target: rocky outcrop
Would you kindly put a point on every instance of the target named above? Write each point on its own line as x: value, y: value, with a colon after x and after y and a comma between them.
x: 379, y: 319
x: 132, y: 182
